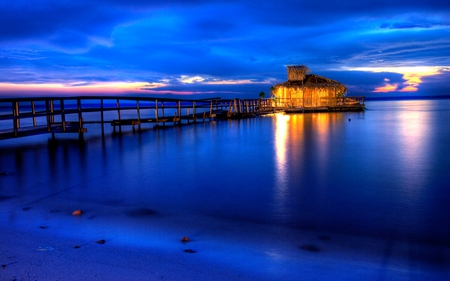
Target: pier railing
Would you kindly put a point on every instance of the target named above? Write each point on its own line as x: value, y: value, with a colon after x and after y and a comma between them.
x: 31, y: 116
x: 317, y: 102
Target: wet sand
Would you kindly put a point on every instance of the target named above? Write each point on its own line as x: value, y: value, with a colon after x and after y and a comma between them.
x: 44, y: 241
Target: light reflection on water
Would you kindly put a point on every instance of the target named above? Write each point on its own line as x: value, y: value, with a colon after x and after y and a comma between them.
x: 382, y: 173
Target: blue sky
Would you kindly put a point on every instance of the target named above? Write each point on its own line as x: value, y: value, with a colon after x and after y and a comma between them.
x: 222, y: 48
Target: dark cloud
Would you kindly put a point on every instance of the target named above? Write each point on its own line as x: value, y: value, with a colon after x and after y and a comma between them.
x: 24, y: 19
x: 150, y: 41
x: 436, y: 85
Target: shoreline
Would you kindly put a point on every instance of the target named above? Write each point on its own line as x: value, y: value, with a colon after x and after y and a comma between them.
x: 144, y: 245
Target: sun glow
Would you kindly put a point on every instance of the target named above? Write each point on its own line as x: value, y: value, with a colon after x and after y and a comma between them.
x: 386, y: 88
x: 412, y: 75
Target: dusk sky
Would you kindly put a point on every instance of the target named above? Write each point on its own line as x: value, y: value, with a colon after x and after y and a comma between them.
x: 222, y: 48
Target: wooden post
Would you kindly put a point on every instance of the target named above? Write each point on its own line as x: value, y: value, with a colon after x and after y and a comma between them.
x: 16, y: 120
x: 210, y: 110
x: 138, y: 114
x: 179, y: 111
x: 102, y: 118
x: 47, y: 114
x: 63, y: 116
x: 193, y: 111
x: 156, y: 111
x: 52, y: 110
x: 33, y: 111
x: 118, y: 115
x: 80, y: 117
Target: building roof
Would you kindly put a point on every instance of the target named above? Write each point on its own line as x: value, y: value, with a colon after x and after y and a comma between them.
x: 313, y: 81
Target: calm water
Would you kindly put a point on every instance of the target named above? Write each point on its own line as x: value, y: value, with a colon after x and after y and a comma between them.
x: 384, y: 173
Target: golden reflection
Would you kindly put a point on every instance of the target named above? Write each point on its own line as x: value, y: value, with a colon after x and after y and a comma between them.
x: 321, y: 126
x: 281, y: 146
x: 281, y: 132
x: 281, y: 166
x: 413, y: 131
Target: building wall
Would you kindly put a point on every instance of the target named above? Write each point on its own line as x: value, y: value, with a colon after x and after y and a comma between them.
x: 307, y: 97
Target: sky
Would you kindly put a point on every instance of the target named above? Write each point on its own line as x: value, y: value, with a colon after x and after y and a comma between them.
x: 228, y: 49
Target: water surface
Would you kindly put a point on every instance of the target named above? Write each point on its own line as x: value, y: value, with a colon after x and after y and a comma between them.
x: 382, y: 173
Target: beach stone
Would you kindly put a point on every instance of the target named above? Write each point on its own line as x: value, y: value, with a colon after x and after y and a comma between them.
x: 189, y: 251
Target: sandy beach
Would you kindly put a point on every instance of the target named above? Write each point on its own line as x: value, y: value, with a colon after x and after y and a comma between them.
x: 44, y: 241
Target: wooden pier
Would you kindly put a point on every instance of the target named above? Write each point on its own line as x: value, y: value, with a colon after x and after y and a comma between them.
x: 20, y: 117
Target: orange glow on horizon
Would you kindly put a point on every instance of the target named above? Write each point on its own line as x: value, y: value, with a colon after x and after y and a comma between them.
x: 410, y: 88
x: 412, y: 76
x: 386, y: 88
x: 97, y: 87
x: 117, y: 87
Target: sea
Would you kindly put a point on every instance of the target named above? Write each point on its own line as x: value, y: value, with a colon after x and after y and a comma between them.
x: 381, y: 174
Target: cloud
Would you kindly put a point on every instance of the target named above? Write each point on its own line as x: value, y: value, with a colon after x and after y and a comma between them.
x: 404, y: 25
x: 233, y: 46
x: 386, y: 88
x: 412, y: 77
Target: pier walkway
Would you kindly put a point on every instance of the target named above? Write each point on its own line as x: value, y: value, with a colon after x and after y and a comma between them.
x: 20, y: 117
